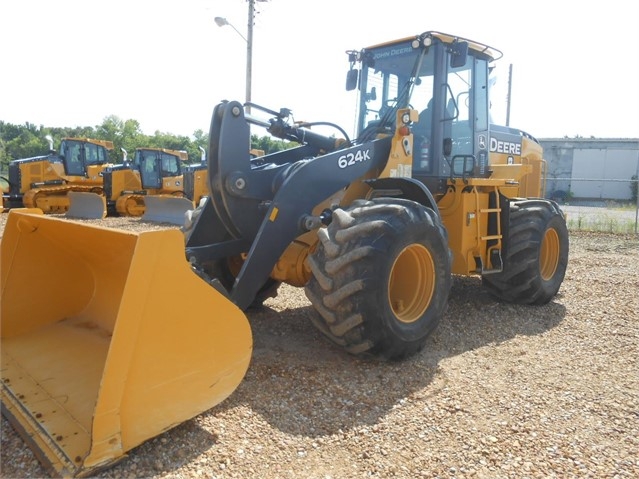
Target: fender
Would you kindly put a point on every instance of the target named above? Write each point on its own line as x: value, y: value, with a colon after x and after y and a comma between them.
x: 407, y: 188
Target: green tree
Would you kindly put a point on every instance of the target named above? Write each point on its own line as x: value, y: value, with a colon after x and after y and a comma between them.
x: 28, y: 140
x: 123, y: 133
x: 26, y: 145
x: 132, y: 137
x: 110, y: 129
x: 269, y: 145
x: 201, y: 139
x: 9, y: 131
x: 4, y: 157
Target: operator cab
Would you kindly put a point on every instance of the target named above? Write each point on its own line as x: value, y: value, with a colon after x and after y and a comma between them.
x: 157, y: 164
x: 444, y: 78
x: 78, y: 154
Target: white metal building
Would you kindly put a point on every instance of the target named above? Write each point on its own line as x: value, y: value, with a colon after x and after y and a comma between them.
x: 591, y: 169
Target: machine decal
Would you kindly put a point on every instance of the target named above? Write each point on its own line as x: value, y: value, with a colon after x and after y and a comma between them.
x: 274, y: 214
x: 392, y: 52
x: 505, y: 147
x: 350, y: 159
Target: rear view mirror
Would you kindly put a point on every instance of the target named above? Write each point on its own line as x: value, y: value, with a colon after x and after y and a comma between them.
x: 458, y: 54
x: 351, y: 79
x: 448, y: 147
x: 372, y: 95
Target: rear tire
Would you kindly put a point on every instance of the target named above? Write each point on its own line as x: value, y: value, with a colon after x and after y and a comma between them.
x: 381, y: 276
x: 536, y: 254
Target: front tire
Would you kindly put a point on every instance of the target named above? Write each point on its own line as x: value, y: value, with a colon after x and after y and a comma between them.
x: 536, y: 254
x: 381, y: 276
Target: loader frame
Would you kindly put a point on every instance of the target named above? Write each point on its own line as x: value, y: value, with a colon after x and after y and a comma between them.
x: 131, y: 334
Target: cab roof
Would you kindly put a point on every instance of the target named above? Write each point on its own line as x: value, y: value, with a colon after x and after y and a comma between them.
x: 181, y: 154
x: 105, y: 143
x: 491, y: 52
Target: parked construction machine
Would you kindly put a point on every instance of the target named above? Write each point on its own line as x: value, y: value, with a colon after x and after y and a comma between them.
x: 157, y: 185
x: 25, y: 171
x: 159, y: 172
x: 131, y: 334
x: 44, y: 181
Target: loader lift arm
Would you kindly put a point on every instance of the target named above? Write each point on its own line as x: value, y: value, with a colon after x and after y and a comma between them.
x: 266, y: 204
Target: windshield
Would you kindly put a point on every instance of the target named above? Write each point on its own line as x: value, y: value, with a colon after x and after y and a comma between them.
x: 95, y: 154
x: 71, y: 151
x: 155, y: 165
x: 449, y: 93
x: 80, y: 154
x: 394, y: 76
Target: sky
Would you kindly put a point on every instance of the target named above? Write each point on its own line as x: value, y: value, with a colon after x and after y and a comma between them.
x: 166, y: 64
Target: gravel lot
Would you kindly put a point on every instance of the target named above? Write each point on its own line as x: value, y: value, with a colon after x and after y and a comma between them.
x: 501, y: 391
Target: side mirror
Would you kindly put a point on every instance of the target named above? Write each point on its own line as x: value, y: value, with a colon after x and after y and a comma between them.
x: 458, y: 54
x: 372, y: 95
x: 352, y: 77
x: 448, y: 147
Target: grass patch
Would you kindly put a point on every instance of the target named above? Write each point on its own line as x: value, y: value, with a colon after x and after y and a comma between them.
x: 600, y: 222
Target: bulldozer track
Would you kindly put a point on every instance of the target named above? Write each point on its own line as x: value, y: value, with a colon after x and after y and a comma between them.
x: 32, y: 196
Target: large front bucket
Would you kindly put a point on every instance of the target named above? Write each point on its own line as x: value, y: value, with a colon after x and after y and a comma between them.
x: 108, y: 339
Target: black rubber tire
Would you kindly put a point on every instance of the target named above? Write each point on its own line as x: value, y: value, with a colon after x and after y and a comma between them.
x: 536, y: 254
x: 356, y: 270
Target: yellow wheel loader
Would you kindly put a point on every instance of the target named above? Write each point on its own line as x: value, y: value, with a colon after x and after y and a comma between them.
x: 44, y: 182
x: 147, y: 330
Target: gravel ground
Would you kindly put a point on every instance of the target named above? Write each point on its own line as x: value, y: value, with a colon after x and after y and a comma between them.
x: 500, y: 391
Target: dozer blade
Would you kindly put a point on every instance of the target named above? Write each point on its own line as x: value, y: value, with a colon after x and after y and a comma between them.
x: 108, y: 339
x: 86, y: 205
x: 166, y: 209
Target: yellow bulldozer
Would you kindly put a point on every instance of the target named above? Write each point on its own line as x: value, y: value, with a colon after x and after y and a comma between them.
x: 44, y: 182
x: 158, y: 185
x: 159, y: 189
x: 131, y: 334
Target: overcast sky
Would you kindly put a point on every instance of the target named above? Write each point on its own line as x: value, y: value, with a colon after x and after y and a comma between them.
x: 166, y: 63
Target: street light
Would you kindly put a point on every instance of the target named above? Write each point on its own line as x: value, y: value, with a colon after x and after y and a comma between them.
x: 221, y: 22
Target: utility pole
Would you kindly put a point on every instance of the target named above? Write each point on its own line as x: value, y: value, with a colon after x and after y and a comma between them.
x: 510, y: 83
x: 249, y: 54
x: 249, y: 46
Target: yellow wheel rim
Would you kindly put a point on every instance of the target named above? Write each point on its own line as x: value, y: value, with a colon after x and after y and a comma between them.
x: 412, y: 283
x: 549, y: 254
